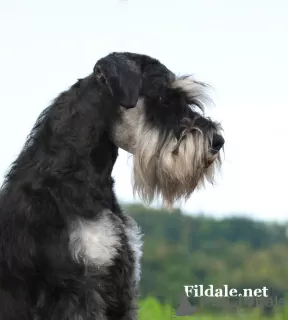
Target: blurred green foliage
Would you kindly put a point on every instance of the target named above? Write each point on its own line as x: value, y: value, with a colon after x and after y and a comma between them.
x: 150, y: 308
x: 183, y: 250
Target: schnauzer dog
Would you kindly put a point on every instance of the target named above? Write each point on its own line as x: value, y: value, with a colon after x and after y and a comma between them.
x: 67, y: 251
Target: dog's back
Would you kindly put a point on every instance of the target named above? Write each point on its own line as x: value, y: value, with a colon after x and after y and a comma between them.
x: 64, y: 243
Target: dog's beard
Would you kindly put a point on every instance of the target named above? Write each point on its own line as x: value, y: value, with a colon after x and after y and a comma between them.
x: 171, y: 169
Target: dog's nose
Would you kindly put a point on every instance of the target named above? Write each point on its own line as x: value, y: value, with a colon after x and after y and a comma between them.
x: 217, y: 143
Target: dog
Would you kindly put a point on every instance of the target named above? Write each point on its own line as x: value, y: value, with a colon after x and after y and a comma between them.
x: 67, y: 251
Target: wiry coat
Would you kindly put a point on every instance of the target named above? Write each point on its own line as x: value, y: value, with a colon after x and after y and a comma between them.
x: 63, y: 176
x: 67, y: 252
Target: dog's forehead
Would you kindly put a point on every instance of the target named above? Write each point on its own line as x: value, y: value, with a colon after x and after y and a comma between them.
x: 149, y: 66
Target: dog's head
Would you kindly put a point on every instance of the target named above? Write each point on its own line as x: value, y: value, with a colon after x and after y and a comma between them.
x: 162, y: 123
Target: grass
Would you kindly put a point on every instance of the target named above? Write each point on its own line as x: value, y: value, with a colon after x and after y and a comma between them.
x: 150, y: 308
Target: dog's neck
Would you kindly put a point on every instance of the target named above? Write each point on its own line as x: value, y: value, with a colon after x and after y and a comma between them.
x: 72, y: 150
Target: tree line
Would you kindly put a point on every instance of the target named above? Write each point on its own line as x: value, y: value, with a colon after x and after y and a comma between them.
x: 182, y: 249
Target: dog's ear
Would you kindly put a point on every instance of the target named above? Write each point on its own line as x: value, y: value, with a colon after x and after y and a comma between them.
x: 122, y: 76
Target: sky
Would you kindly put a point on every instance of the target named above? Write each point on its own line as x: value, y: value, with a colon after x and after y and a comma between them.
x: 239, y: 47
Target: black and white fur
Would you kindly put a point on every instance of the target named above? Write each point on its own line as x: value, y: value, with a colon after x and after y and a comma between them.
x: 67, y: 251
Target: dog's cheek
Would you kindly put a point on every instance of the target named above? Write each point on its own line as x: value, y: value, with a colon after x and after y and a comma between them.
x: 176, y: 160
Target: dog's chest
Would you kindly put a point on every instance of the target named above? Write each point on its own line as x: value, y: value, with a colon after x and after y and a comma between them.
x: 98, y: 242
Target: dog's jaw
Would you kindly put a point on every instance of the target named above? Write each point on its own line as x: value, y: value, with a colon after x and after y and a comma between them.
x: 125, y: 129
x: 160, y: 172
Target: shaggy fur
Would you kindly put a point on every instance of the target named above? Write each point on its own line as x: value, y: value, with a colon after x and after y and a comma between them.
x: 67, y: 252
x: 175, y: 147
